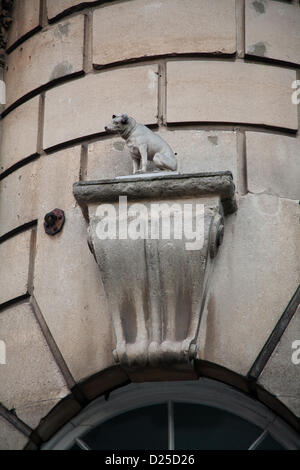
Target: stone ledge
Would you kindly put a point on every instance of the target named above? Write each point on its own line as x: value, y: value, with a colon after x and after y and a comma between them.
x: 163, y: 186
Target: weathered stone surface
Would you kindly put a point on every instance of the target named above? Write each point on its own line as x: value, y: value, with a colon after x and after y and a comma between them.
x: 107, y: 159
x: 30, y: 373
x: 26, y: 17
x: 107, y: 379
x: 20, y: 134
x: 81, y: 312
x: 159, y: 186
x: 210, y: 91
x: 18, y: 201
x: 273, y: 164
x: 61, y: 415
x: 33, y: 413
x: 161, y: 330
x: 38, y: 188
x: 208, y: 26
x: 14, y: 258
x: 204, y: 151
x: 56, y: 7
x: 170, y: 374
x: 197, y: 151
x: 256, y: 272
x: 95, y: 98
x: 273, y: 30
x: 10, y: 437
x: 281, y: 376
x: 155, y: 288
x: 56, y: 174
x: 51, y: 54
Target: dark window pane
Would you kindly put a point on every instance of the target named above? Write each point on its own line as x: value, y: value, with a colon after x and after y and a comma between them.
x: 76, y: 447
x: 269, y: 444
x: 140, y: 429
x: 199, y: 427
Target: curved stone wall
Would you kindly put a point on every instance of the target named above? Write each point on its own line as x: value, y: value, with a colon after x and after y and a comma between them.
x: 215, y: 79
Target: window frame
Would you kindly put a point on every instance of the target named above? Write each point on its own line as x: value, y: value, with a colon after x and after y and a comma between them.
x: 203, y: 391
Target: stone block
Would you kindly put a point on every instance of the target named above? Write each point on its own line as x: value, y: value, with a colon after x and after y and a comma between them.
x: 208, y: 25
x: 255, y: 275
x: 31, y: 374
x: 107, y: 379
x: 81, y: 312
x: 273, y: 30
x: 51, y: 54
x: 197, y: 151
x: 236, y: 92
x: 56, y: 174
x: 38, y: 188
x: 281, y: 375
x: 14, y: 257
x: 273, y: 164
x: 60, y: 416
x: 204, y: 151
x: 33, y: 413
x: 18, y: 198
x: 10, y: 437
x: 26, y: 18
x: 20, y: 134
x: 107, y: 159
x: 57, y: 7
x: 83, y: 107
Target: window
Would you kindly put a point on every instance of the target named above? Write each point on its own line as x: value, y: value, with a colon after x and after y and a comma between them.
x: 202, y: 415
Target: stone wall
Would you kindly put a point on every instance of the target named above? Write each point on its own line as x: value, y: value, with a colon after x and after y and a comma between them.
x: 215, y: 79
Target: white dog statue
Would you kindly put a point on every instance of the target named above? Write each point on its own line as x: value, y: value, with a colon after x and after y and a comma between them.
x: 143, y: 144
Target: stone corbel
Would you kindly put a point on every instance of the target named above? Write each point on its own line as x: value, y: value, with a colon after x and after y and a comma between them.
x: 156, y: 288
x: 6, y: 7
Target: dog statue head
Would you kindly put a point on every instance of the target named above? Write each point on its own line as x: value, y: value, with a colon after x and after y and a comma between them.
x: 118, y: 124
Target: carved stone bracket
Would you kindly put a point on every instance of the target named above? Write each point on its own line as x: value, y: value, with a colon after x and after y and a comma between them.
x: 156, y: 287
x: 6, y: 7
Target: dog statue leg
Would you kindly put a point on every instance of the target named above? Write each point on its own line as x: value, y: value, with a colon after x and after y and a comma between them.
x: 136, y: 165
x: 144, y: 157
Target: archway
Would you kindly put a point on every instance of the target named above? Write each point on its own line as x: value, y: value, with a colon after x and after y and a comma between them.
x: 175, y: 415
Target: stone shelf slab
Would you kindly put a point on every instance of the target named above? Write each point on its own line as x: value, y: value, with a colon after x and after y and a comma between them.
x: 162, y: 186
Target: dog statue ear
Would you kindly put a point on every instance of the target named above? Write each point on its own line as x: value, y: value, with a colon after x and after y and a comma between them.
x: 125, y: 118
x: 114, y: 116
